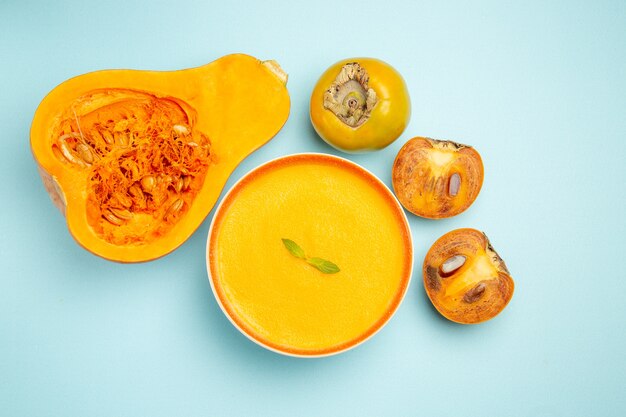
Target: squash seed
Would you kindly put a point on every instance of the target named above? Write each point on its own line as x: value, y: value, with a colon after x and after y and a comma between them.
x: 186, y: 182
x: 112, y: 218
x: 67, y: 152
x: 174, y: 207
x: 178, y: 185
x: 122, y: 139
x: 148, y: 183
x: 108, y: 137
x: 58, y: 154
x: 180, y: 129
x: 121, y: 213
x: 123, y: 199
x: 84, y: 151
x: 135, y: 191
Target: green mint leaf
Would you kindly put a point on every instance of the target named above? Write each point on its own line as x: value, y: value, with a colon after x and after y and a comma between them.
x: 323, y: 265
x: 294, y: 249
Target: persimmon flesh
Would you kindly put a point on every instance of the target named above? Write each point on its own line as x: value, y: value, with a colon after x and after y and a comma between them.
x: 437, y: 178
x: 465, y: 279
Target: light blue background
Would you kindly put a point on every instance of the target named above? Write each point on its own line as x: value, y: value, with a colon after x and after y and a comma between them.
x: 539, y: 88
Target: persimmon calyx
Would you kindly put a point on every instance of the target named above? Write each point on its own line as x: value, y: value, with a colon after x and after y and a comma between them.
x: 447, y: 145
x: 349, y: 96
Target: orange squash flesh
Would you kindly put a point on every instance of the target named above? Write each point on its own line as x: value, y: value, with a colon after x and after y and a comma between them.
x: 437, y: 179
x: 136, y: 159
x: 465, y: 279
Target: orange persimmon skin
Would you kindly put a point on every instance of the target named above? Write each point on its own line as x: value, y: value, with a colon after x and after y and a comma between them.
x: 388, y: 118
x: 477, y: 290
x: 423, y: 171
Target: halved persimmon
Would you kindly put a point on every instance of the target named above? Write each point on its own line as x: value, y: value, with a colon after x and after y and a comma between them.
x: 465, y: 279
x: 437, y: 178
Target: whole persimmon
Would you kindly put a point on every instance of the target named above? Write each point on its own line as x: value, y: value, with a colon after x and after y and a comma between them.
x: 360, y: 104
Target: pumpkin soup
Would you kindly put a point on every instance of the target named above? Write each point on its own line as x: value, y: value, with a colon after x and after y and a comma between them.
x: 309, y: 255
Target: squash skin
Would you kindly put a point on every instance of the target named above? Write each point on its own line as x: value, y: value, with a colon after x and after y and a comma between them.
x: 237, y: 101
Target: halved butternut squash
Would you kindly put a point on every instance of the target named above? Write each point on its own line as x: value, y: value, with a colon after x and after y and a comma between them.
x: 137, y: 159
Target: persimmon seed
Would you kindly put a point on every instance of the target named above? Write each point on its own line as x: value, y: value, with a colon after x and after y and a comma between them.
x: 455, y: 184
x: 451, y: 265
x: 475, y: 293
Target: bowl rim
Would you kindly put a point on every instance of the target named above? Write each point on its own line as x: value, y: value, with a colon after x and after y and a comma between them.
x: 313, y: 155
